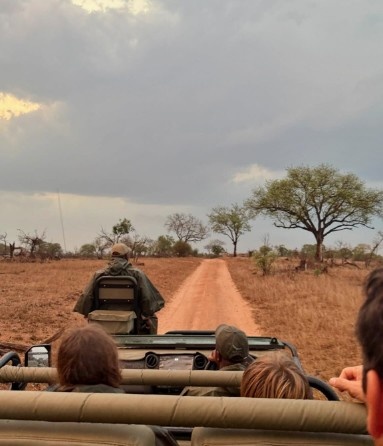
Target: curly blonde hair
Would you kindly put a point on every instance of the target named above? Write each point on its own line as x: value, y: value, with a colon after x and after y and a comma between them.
x: 275, y: 375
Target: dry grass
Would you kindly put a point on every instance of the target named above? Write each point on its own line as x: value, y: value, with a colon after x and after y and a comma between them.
x: 315, y: 313
x: 37, y: 299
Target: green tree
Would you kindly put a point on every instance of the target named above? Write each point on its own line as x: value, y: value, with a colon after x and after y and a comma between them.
x: 230, y: 221
x: 215, y: 247
x: 122, y: 228
x: 53, y: 250
x: 283, y: 251
x: 319, y: 200
x: 88, y: 250
x: 164, y: 246
x: 182, y: 249
x: 120, y: 231
x: 3, y: 243
x: 360, y: 252
x: 309, y: 251
x: 342, y: 251
x: 186, y: 227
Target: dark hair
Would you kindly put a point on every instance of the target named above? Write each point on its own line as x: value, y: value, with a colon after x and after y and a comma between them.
x: 369, y: 324
x: 275, y: 375
x: 88, y: 355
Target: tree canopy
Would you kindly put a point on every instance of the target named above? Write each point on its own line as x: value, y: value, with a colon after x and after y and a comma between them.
x: 320, y: 200
x: 230, y: 221
x: 186, y: 227
x: 119, y: 234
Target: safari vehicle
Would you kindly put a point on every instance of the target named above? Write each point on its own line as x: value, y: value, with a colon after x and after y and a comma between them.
x: 155, y: 369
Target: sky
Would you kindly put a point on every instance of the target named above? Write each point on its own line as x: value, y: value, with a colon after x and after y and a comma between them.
x: 139, y: 109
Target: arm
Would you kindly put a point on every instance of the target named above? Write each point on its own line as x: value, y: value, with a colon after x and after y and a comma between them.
x: 150, y: 298
x: 85, y: 301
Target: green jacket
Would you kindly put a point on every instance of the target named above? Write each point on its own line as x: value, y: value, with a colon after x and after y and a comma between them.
x: 216, y: 391
x: 150, y: 299
x: 90, y: 388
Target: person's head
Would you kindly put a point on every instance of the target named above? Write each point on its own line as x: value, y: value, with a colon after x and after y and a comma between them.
x: 369, y: 329
x: 120, y: 250
x: 275, y: 375
x: 88, y: 355
x: 231, y: 345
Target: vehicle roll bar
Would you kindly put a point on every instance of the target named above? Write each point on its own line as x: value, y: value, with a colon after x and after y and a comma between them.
x: 184, y: 411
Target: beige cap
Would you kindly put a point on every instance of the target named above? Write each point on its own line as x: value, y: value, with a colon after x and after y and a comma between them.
x: 231, y: 343
x: 119, y: 249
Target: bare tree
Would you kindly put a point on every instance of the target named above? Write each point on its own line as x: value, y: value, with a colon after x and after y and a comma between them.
x: 31, y: 241
x: 100, y: 245
x: 138, y: 245
x: 186, y: 227
x: 3, y: 238
x: 378, y: 240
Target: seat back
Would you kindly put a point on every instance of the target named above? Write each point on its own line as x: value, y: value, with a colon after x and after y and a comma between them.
x: 116, y: 304
x: 207, y: 436
x: 116, y: 293
x: 36, y: 433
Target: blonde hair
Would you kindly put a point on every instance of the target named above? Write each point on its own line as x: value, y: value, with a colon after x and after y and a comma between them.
x: 275, y: 376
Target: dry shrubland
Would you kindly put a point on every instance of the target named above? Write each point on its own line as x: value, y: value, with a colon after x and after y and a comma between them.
x: 314, y: 312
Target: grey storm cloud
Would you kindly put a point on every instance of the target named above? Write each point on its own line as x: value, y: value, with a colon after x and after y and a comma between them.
x: 166, y: 107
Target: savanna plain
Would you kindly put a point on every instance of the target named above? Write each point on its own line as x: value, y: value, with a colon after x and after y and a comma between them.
x: 315, y: 312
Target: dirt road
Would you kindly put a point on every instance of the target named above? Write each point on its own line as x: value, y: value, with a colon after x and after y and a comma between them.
x: 207, y: 298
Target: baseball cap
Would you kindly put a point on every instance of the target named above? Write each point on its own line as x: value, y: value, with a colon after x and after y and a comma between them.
x: 119, y: 249
x: 231, y: 343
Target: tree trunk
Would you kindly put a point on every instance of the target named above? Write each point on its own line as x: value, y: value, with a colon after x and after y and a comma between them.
x: 319, y: 250
x: 12, y: 247
x: 235, y: 249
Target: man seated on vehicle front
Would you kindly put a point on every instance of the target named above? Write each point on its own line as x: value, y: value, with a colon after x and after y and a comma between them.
x: 150, y: 299
x: 231, y: 353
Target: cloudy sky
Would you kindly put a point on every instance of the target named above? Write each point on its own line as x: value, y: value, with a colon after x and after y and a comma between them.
x: 143, y: 108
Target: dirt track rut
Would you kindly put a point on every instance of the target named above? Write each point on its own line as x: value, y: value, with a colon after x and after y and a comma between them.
x: 207, y: 298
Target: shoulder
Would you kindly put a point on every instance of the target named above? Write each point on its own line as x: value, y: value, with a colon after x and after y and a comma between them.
x: 97, y: 388
x: 238, y: 367
x: 135, y: 271
x: 205, y: 391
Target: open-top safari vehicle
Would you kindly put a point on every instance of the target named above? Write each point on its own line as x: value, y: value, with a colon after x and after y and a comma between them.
x: 155, y: 370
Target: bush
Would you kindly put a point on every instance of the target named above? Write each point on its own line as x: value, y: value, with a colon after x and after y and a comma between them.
x: 264, y: 259
x: 182, y: 249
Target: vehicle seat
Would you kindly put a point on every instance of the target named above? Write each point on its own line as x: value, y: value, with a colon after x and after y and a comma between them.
x: 34, y: 433
x: 116, y: 304
x: 207, y: 436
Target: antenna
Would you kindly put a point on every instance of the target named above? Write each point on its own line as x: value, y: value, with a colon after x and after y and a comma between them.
x: 61, y: 218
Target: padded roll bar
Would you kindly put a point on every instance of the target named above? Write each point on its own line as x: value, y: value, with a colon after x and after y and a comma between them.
x: 132, y: 376
x: 228, y: 412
